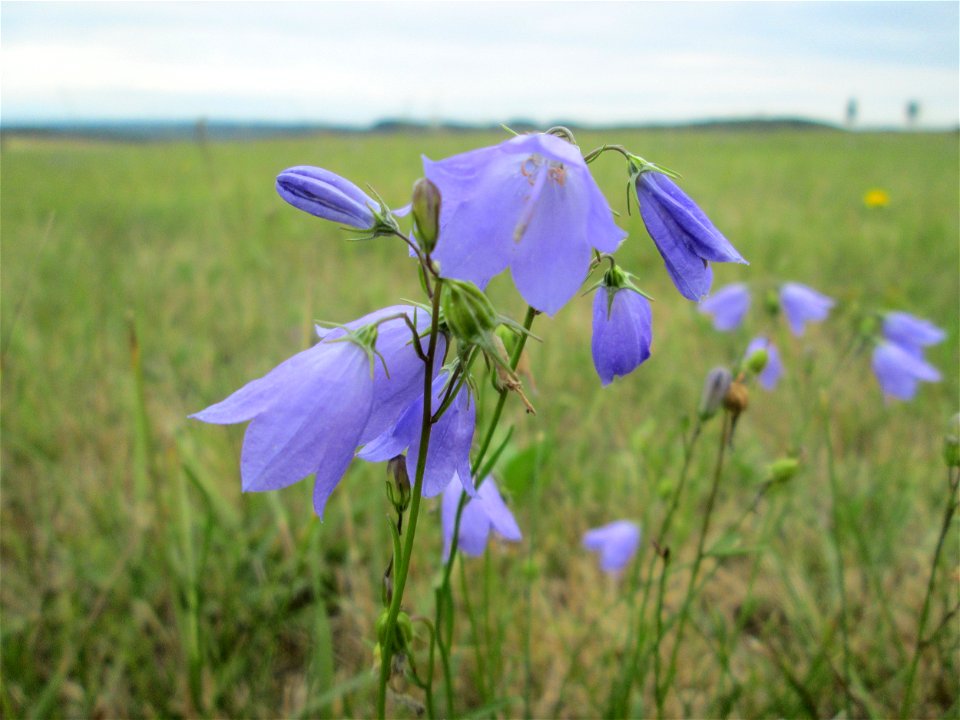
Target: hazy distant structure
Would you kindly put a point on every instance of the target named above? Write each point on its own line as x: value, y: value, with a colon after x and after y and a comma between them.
x: 913, y: 113
x: 852, y: 109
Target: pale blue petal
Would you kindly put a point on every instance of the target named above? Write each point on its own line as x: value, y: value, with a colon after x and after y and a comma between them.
x: 728, y: 306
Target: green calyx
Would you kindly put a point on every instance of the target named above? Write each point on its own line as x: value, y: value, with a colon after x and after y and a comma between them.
x: 757, y: 361
x: 614, y: 280
x: 468, y: 312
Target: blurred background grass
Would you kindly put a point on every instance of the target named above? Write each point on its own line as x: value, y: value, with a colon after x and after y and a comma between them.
x: 142, y: 282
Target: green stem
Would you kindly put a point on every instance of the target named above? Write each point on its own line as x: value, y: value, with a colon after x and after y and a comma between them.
x: 925, y: 612
x: 661, y: 691
x: 403, y: 566
x: 444, y: 599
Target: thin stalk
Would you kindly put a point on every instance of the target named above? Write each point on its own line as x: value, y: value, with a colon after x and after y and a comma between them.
x: 948, y: 514
x: 619, y: 701
x: 444, y: 598
x: 403, y: 567
x: 661, y: 691
x: 841, y: 569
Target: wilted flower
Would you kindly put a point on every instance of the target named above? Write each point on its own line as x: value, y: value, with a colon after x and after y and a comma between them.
x: 327, y: 195
x: 910, y: 332
x: 773, y: 369
x: 529, y: 204
x: 685, y: 237
x: 802, y: 304
x: 622, y: 331
x: 480, y: 514
x: 311, y: 412
x: 616, y: 543
x: 899, y: 370
x: 450, y: 439
x: 728, y: 306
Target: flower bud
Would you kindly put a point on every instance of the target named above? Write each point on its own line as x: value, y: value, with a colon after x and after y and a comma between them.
x: 426, y: 213
x: 772, y: 303
x: 756, y: 361
x: 951, y: 443
x: 399, y: 490
x: 468, y: 312
x: 783, y: 469
x: 715, y: 388
x: 327, y: 195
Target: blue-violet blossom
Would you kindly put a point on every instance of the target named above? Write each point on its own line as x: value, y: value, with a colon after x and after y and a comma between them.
x: 899, y: 370
x: 773, y: 370
x: 728, y: 306
x: 328, y: 196
x: 309, y: 414
x: 910, y: 332
x: 484, y: 512
x: 685, y: 237
x: 802, y: 304
x: 622, y: 331
x: 529, y: 204
x: 450, y: 439
x: 615, y: 542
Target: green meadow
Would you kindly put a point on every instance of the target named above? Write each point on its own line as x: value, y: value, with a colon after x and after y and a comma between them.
x: 143, y: 282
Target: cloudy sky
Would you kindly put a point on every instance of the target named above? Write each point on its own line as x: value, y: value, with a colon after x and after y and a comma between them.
x: 591, y: 62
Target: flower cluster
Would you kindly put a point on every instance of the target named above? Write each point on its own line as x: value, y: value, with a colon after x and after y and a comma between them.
x: 800, y: 304
x: 898, y: 360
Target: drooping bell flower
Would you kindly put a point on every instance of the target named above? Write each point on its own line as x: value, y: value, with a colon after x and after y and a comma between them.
x: 481, y: 514
x: 899, y: 370
x: 683, y: 234
x: 728, y: 306
x: 528, y: 204
x: 772, y: 370
x: 309, y: 414
x: 910, y: 332
x: 450, y: 439
x: 616, y: 543
x: 622, y: 327
x: 802, y: 304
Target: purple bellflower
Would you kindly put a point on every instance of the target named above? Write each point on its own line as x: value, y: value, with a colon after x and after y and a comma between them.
x: 616, y: 543
x: 773, y: 370
x: 685, y: 237
x: 802, y: 304
x: 309, y: 414
x: 728, y: 306
x: 910, y: 332
x: 622, y: 331
x: 528, y: 204
x: 450, y: 439
x: 328, y: 196
x: 480, y: 514
x: 900, y: 369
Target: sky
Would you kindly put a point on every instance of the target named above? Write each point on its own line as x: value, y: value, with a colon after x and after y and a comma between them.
x: 485, y: 62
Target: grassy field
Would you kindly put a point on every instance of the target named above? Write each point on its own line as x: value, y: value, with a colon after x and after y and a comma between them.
x: 141, y: 283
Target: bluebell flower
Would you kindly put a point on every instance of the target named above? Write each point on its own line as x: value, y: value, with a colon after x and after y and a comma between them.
x: 450, y: 440
x: 528, y: 204
x: 309, y: 414
x: 485, y: 512
x: 773, y: 370
x: 328, y: 196
x: 685, y: 237
x: 802, y: 304
x: 616, y: 543
x: 899, y: 370
x: 728, y: 306
x: 622, y: 332
x: 910, y: 332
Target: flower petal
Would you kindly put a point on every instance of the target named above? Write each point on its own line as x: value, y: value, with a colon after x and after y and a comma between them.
x: 728, y: 306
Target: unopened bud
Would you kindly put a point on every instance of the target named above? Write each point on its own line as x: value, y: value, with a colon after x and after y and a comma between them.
x: 737, y: 398
x: 714, y: 390
x: 782, y: 469
x: 426, y: 213
x: 772, y: 303
x: 757, y: 361
x: 951, y: 443
x: 468, y: 312
x: 399, y: 490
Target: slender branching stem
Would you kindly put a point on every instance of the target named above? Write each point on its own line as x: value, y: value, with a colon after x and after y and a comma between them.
x: 403, y: 566
x: 953, y: 480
